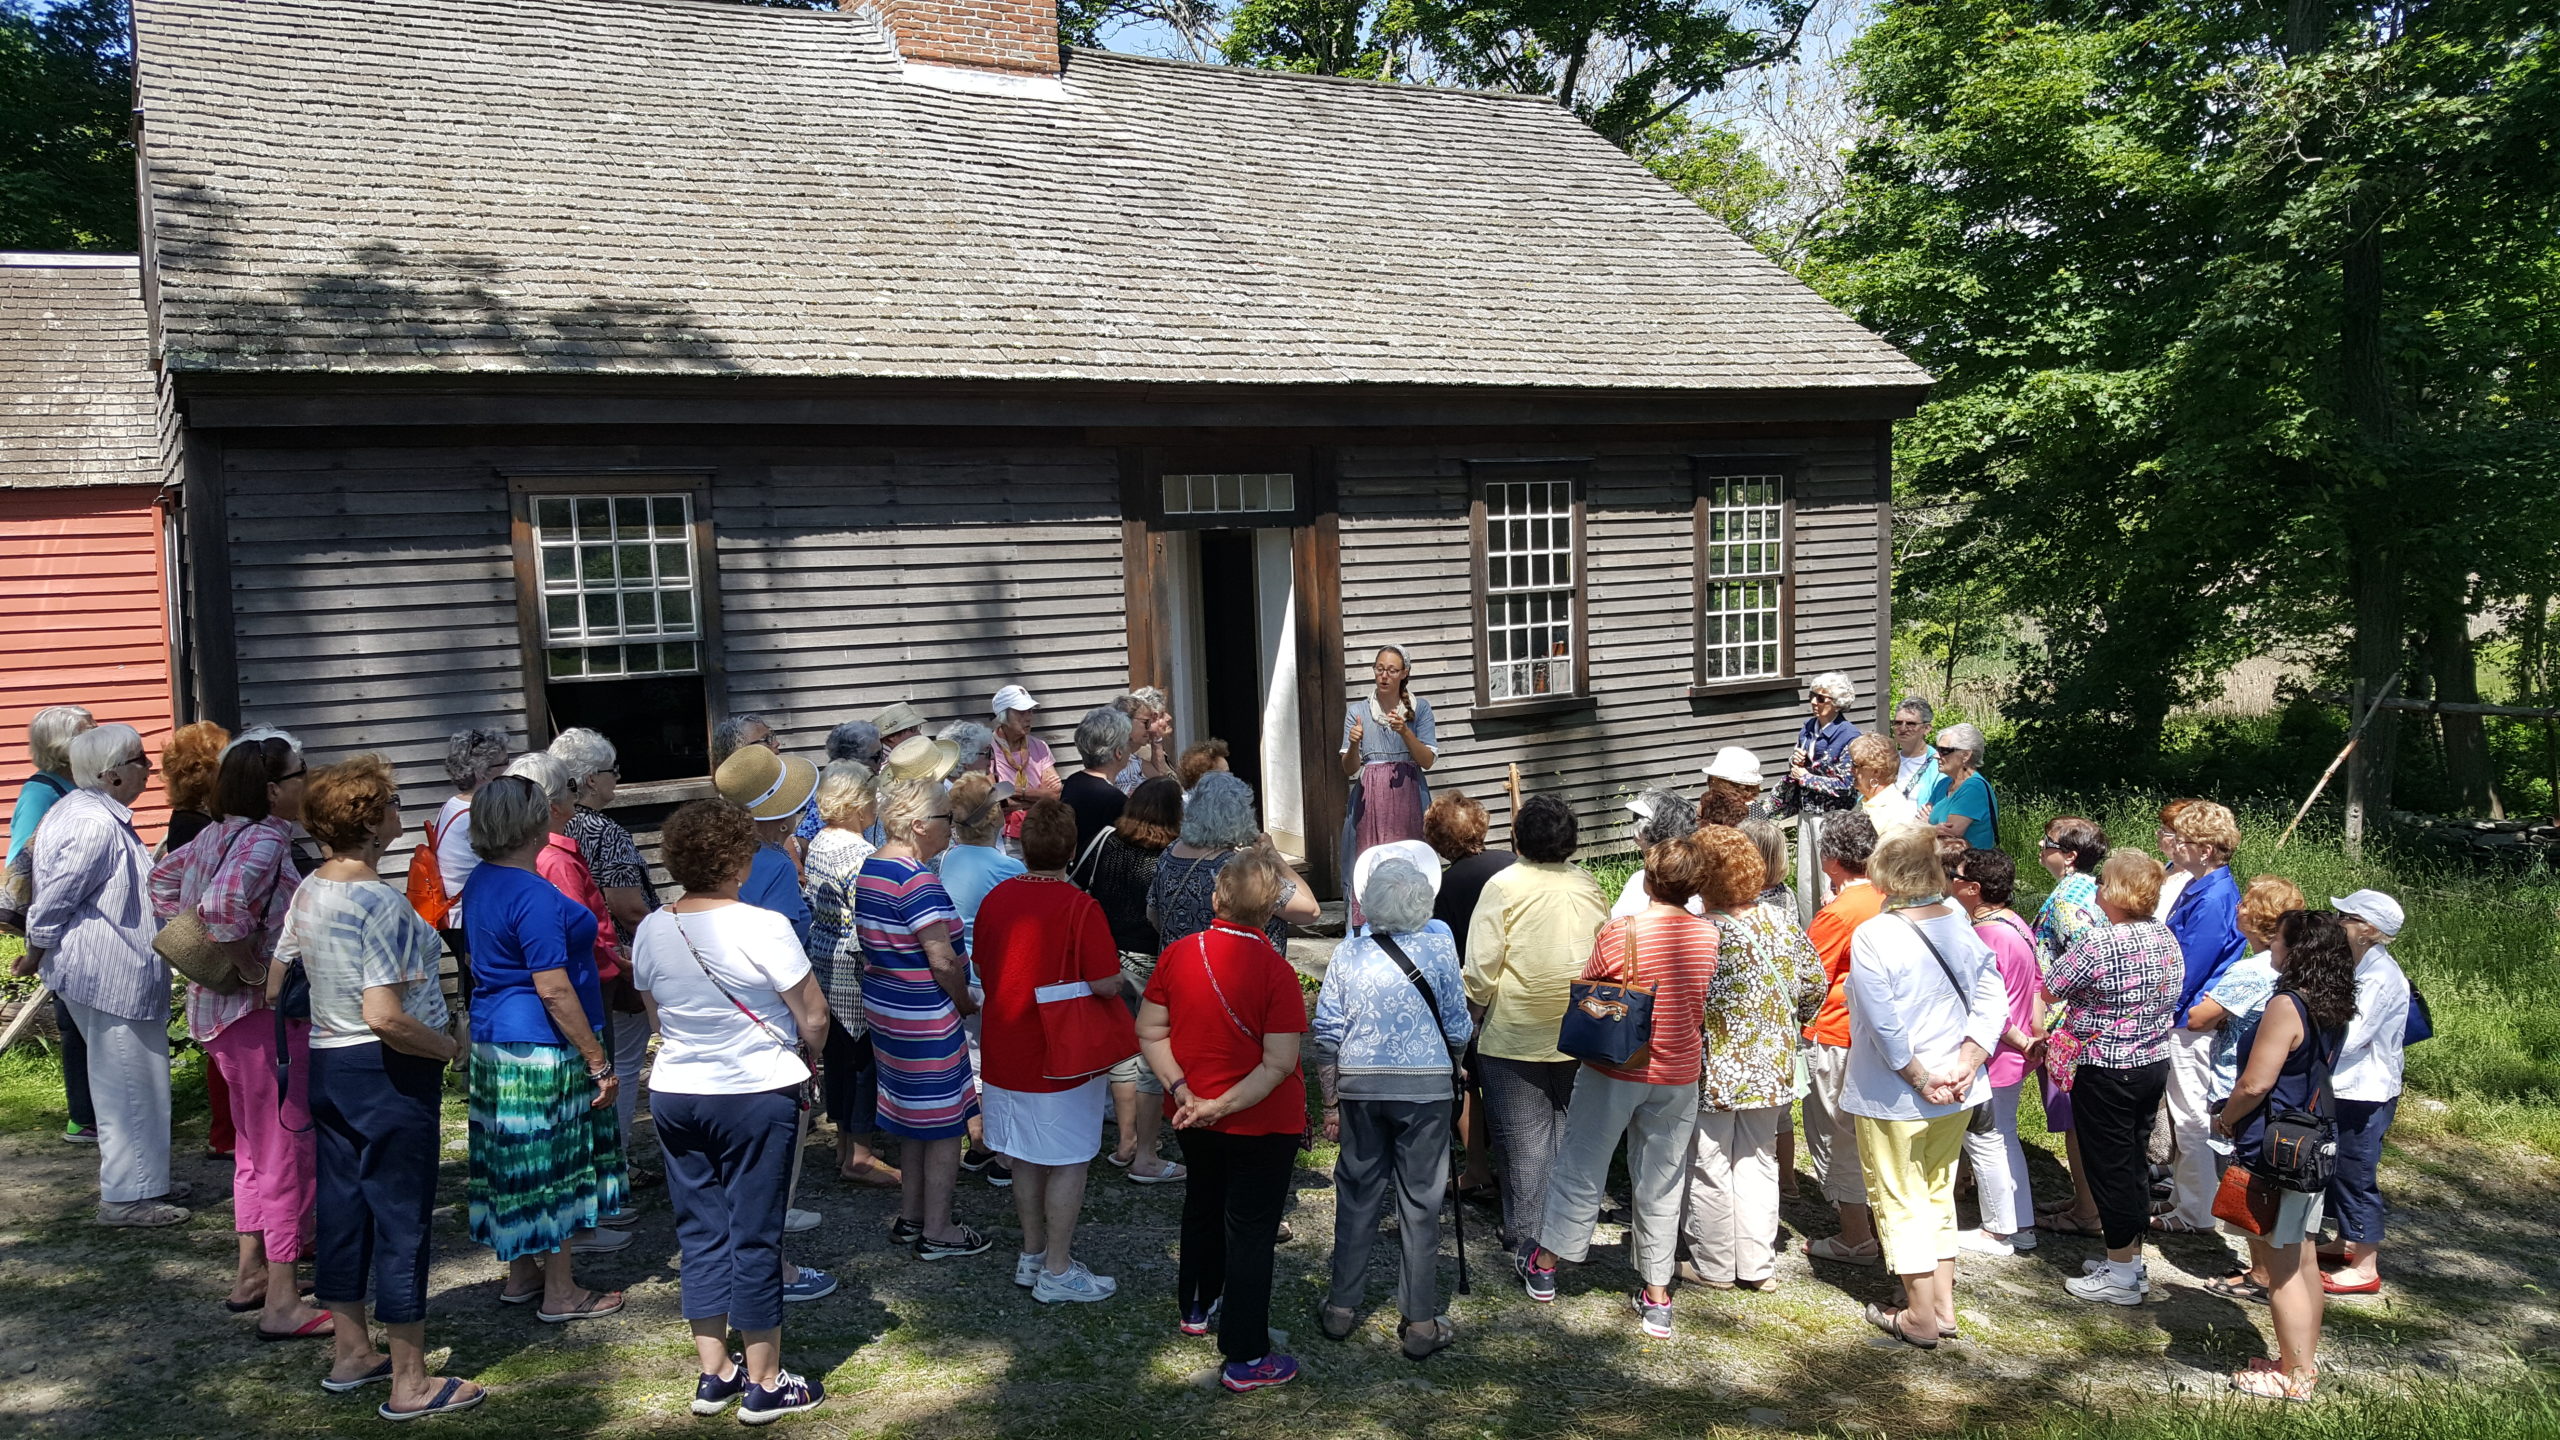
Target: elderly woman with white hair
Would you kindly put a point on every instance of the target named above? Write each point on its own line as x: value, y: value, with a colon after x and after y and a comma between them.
x: 545, y: 1152
x: 1818, y: 778
x: 1022, y: 759
x: 1965, y: 812
x: 973, y: 746
x: 567, y: 864
x: 91, y: 920
x: 49, y: 737
x: 1660, y: 815
x: 1150, y: 737
x: 239, y: 877
x: 1389, y: 1025
x: 1217, y: 825
x: 1104, y: 738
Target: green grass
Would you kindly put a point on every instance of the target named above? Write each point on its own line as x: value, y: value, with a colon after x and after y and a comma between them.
x: 2529, y: 1410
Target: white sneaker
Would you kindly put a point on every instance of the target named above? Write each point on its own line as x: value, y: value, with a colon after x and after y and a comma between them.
x: 1026, y: 1268
x: 796, y: 1220
x: 2022, y: 1241
x: 2104, y: 1289
x: 1078, y: 1284
x: 1983, y: 1242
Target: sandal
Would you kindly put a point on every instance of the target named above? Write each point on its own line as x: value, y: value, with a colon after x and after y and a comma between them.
x: 1338, y: 1323
x: 1890, y: 1322
x: 1170, y: 1174
x: 2273, y: 1384
x: 876, y: 1174
x: 443, y: 1404
x: 597, y: 1304
x: 2237, y: 1286
x: 374, y: 1376
x: 1828, y: 1247
x: 2169, y: 1225
x: 1443, y: 1333
x: 2063, y: 1222
x: 318, y: 1327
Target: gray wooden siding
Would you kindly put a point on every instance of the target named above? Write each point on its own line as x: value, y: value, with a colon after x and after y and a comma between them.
x: 376, y: 593
x: 1410, y: 582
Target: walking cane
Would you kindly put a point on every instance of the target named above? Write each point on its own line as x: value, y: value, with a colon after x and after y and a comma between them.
x: 1458, y: 1202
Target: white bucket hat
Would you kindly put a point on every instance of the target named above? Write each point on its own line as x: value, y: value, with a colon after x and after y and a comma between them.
x: 1736, y: 764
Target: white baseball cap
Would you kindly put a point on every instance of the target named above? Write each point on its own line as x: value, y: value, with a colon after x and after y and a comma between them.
x: 1736, y: 764
x: 2373, y: 908
x: 1014, y: 697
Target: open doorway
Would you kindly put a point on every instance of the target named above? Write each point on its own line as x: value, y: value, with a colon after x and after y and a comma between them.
x: 1234, y: 652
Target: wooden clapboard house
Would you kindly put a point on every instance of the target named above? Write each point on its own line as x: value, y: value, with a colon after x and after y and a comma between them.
x: 84, y: 465
x: 633, y: 362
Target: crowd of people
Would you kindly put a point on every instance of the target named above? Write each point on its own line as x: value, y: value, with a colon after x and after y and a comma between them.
x: 969, y: 957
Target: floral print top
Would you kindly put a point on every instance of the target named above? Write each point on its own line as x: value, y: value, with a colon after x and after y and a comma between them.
x: 1768, y: 984
x: 834, y: 870
x: 2122, y: 982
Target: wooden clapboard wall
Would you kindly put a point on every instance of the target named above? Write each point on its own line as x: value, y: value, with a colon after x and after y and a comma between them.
x: 83, y: 606
x: 375, y: 594
x: 1406, y: 578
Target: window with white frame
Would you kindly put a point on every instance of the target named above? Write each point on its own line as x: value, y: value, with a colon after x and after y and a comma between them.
x: 620, y: 633
x: 1231, y: 493
x: 618, y: 596
x: 1742, y: 576
x: 1532, y: 588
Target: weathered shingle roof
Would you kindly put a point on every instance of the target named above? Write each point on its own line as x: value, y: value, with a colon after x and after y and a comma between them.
x: 78, y: 400
x: 563, y: 186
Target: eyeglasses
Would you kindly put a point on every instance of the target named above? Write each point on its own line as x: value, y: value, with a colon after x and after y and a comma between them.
x: 2051, y: 845
x: 296, y: 775
x: 1906, y: 724
x: 1949, y: 749
x: 942, y: 815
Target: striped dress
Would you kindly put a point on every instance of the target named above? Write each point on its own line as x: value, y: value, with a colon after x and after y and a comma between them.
x: 925, y: 1088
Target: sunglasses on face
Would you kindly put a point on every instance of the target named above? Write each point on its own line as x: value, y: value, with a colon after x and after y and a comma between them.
x: 1948, y: 749
x: 2051, y: 845
x: 296, y: 775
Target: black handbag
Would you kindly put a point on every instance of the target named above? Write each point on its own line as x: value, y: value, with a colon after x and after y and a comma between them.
x: 2300, y: 1150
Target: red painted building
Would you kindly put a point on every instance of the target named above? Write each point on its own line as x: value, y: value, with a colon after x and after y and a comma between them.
x: 84, y: 459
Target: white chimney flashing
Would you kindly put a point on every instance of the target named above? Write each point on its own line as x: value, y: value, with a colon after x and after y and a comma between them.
x: 965, y: 81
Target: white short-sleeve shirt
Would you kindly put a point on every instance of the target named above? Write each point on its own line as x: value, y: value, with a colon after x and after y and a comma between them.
x: 706, y: 1046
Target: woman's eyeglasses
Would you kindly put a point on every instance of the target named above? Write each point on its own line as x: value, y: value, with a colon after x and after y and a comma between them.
x: 2051, y: 845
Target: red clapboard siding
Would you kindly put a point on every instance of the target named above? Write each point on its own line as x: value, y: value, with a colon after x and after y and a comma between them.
x: 83, y: 621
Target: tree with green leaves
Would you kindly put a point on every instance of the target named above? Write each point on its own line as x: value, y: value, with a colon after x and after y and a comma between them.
x: 2238, y: 314
x: 66, y: 141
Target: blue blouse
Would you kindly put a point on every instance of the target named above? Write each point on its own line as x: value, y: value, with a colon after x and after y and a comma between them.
x: 520, y: 925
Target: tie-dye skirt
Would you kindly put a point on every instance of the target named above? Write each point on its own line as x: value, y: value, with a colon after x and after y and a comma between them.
x: 544, y: 1162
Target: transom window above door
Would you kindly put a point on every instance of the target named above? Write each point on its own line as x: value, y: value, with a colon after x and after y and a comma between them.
x: 1232, y: 493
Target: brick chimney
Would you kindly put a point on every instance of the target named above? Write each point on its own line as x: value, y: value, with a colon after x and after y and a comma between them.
x: 1007, y: 37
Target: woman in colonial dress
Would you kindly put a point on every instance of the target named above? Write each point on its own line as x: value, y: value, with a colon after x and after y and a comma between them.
x: 1388, y: 740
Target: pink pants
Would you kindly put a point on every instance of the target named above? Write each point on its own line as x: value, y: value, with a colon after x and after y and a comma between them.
x: 272, y: 1172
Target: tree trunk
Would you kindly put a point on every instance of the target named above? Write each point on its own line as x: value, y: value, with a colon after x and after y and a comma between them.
x: 2376, y: 568
x: 2466, y: 737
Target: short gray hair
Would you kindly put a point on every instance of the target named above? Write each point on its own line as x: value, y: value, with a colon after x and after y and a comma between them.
x: 583, y: 751
x: 1144, y: 697
x: 469, y: 756
x: 1102, y: 736
x: 1397, y: 899
x: 730, y: 735
x: 906, y: 804
x: 1773, y: 849
x: 98, y: 749
x: 973, y: 741
x: 1918, y: 705
x: 855, y: 740
x: 1965, y: 735
x: 1667, y: 817
x: 49, y: 734
x: 1220, y: 813
x: 506, y: 813
x: 844, y: 790
x: 1842, y: 690
x: 546, y: 770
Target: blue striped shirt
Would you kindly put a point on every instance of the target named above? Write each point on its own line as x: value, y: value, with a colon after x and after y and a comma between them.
x: 92, y: 913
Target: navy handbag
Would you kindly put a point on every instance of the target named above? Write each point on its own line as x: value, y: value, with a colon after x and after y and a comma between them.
x: 1609, y: 1022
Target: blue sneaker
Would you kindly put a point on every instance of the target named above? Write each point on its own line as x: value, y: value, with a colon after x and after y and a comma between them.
x: 1201, y: 1319
x: 789, y: 1396
x: 812, y: 1285
x: 1262, y: 1374
x: 1541, y: 1284
x: 711, y: 1394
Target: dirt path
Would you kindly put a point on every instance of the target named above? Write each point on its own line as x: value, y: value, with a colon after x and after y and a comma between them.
x: 105, y: 1332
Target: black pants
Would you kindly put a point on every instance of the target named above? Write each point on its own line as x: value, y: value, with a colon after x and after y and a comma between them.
x: 2113, y: 1110
x: 375, y: 1112
x: 75, y: 1068
x: 852, y: 1081
x: 460, y: 944
x: 1230, y: 1223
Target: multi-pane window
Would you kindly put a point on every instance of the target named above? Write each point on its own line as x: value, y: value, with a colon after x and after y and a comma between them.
x: 1230, y: 493
x: 1531, y: 586
x: 618, y: 586
x: 1744, y: 588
